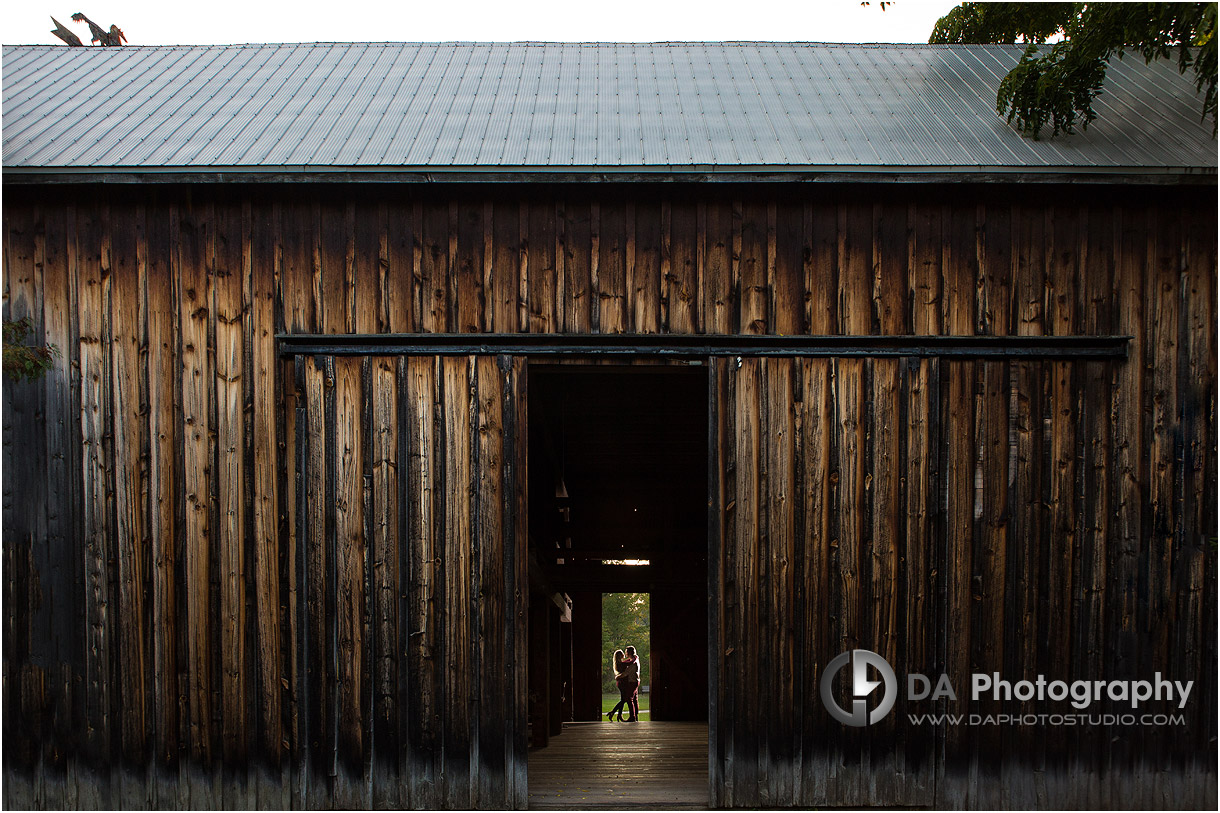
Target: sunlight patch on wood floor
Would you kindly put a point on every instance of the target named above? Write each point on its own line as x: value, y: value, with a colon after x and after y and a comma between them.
x: 653, y: 765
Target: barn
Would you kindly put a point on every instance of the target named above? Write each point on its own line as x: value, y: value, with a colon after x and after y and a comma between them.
x: 377, y: 363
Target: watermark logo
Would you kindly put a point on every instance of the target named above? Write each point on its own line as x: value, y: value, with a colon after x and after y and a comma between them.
x: 862, y: 688
x: 867, y: 672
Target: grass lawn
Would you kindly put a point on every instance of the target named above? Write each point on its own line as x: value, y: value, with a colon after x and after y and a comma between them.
x: 610, y: 700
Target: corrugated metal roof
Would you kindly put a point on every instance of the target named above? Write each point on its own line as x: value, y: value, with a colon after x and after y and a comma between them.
x: 570, y: 106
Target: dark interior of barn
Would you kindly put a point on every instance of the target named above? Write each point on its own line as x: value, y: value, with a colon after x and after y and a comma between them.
x: 617, y: 473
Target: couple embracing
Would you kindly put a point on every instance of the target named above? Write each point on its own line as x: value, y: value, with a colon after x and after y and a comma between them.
x: 627, y: 677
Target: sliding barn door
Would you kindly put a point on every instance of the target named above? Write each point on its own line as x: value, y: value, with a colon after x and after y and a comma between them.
x: 954, y: 517
x: 823, y: 487
x: 409, y: 538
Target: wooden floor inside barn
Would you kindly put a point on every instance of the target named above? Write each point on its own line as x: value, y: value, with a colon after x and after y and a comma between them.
x: 656, y: 766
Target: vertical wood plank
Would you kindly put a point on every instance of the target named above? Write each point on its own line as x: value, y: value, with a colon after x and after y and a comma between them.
x: 645, y: 271
x: 1028, y: 535
x: 788, y: 269
x: 330, y: 270
x: 424, y: 532
x: 18, y: 259
x: 296, y: 246
x: 1060, y: 561
x: 990, y: 554
x: 432, y: 279
x: 163, y: 477
x: 716, y: 243
x: 926, y: 273
x: 316, y: 672
x: 1062, y: 271
x: 849, y: 487
x: 559, y: 247
x: 1097, y: 240
x: 1163, y: 301
x: 1197, y: 601
x: 1029, y: 270
x: 539, y: 245
x: 503, y: 290
x: 958, y: 405
x: 595, y: 253
x: 296, y: 462
x: 611, y: 267
x: 996, y: 257
x: 819, y: 643
x: 93, y: 284
x: 468, y: 267
x: 762, y: 607
x: 523, y: 275
x: 577, y: 255
x: 915, y: 571
x: 31, y: 674
x: 753, y: 268
x: 270, y: 667
x: 389, y: 627
x: 194, y: 300
x: 666, y: 260
x: 822, y: 268
x: 717, y: 370
x: 884, y: 538
x: 516, y: 564
x: 63, y: 454
x: 960, y: 273
x: 746, y: 560
x: 488, y: 756
x: 684, y: 286
x: 230, y: 477
x: 890, y: 250
x: 128, y: 409
x: 367, y: 248
x: 784, y: 504
x: 855, y: 278
x: 1061, y: 565
x: 350, y: 554
x: 398, y: 265
x: 457, y: 395
x: 349, y: 292
x: 730, y: 601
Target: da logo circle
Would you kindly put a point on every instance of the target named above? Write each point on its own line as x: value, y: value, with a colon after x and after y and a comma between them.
x: 858, y: 661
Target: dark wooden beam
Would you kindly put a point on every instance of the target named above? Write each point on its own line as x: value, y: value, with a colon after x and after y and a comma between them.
x: 620, y: 578
x: 558, y: 680
x: 539, y: 677
x: 586, y: 655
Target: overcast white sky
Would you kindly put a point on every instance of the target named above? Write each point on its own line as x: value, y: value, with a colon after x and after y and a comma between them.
x: 224, y: 21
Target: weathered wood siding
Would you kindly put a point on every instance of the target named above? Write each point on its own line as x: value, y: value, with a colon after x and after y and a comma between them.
x: 170, y: 583
x: 412, y: 559
x: 923, y: 509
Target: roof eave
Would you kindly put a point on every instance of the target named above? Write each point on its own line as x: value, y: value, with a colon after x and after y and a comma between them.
x: 611, y: 174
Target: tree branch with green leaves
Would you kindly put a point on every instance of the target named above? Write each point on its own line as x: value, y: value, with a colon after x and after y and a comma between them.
x: 1055, y: 85
x: 23, y: 361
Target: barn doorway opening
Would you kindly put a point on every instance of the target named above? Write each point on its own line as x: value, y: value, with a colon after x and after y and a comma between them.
x: 625, y: 623
x: 618, y: 502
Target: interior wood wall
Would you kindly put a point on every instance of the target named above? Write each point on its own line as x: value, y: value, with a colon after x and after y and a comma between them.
x: 151, y: 510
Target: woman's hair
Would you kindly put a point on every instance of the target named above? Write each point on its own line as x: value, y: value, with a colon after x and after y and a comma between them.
x: 618, y: 658
x: 630, y: 652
